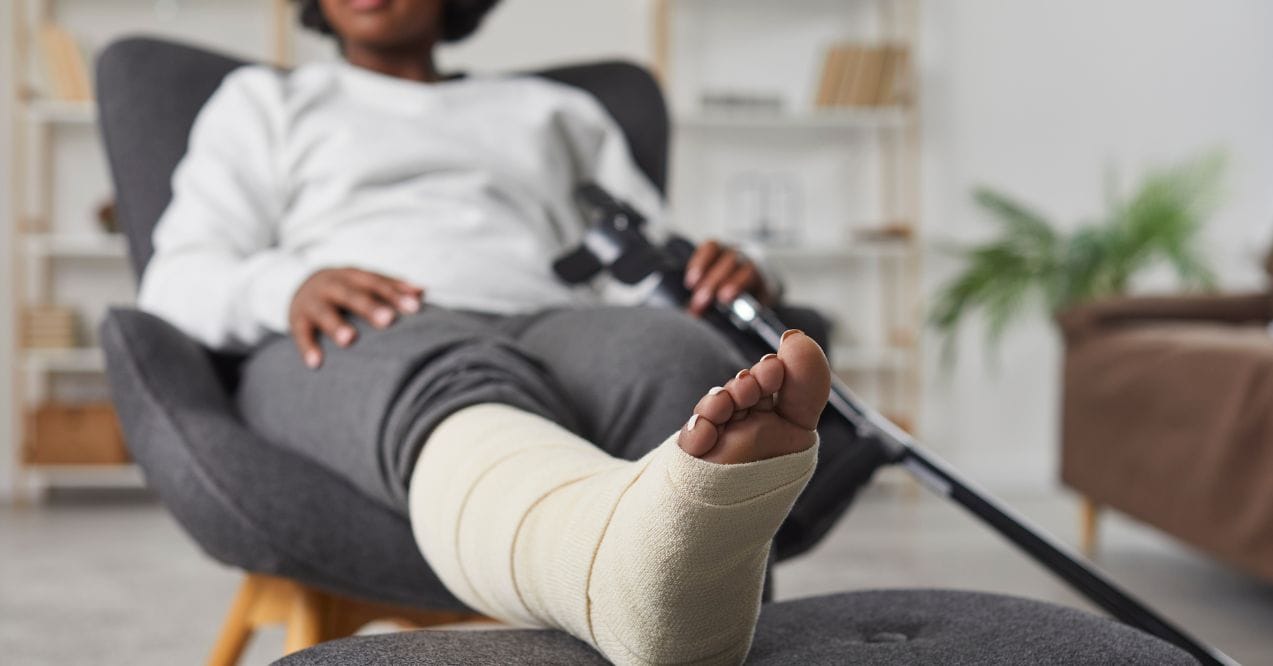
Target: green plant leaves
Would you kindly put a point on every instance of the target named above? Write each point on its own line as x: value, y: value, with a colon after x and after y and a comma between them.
x: 1032, y: 262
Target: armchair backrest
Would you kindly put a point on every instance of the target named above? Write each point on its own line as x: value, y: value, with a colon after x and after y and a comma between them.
x: 150, y: 90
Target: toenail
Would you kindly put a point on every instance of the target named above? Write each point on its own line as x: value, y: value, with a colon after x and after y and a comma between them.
x: 742, y: 373
x: 715, y: 389
x: 791, y: 332
x: 689, y: 425
x: 766, y: 357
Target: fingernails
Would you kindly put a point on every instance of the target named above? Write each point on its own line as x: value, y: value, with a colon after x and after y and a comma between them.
x: 408, y: 304
x: 766, y: 357
x: 691, y: 278
x: 313, y: 359
x: 701, y: 299
x: 791, y: 332
x: 715, y: 389
x: 344, y: 336
x: 689, y: 425
x: 382, y: 317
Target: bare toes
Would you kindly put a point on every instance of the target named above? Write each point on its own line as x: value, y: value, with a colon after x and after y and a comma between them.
x: 744, y: 389
x: 768, y: 373
x: 765, y: 404
x: 698, y: 437
x: 717, y: 406
x: 807, y: 381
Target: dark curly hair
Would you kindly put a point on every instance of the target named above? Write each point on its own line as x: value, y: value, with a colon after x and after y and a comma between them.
x: 460, y: 18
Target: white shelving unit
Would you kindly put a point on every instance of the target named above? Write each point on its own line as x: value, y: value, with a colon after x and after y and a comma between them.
x: 43, y: 246
x: 49, y: 111
x: 871, y: 288
x: 817, y: 119
x: 59, y: 259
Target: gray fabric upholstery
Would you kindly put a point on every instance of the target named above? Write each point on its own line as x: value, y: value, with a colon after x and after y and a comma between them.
x: 872, y: 627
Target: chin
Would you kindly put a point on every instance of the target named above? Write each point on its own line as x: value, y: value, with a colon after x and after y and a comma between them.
x: 385, y: 24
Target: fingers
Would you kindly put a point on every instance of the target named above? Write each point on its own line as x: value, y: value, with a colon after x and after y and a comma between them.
x: 333, y: 325
x: 360, y: 302
x: 306, y: 343
x: 321, y: 302
x: 704, y: 256
x: 400, y: 294
x: 727, y: 262
x: 744, y: 279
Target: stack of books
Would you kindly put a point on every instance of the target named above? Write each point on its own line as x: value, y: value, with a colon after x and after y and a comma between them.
x: 48, y: 327
x: 862, y: 75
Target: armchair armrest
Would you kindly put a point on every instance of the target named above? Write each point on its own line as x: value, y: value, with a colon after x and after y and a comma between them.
x: 1081, y: 321
x: 247, y: 502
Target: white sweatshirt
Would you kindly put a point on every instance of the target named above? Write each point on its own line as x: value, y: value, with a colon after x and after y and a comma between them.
x: 464, y: 187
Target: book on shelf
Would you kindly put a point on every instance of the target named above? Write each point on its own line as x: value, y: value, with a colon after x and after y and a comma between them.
x: 64, y: 65
x: 49, y: 327
x: 858, y: 75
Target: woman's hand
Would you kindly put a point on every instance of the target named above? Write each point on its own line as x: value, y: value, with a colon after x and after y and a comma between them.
x: 719, y: 272
x: 323, y: 301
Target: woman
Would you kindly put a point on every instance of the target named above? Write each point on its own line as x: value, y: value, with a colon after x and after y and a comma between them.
x: 521, y: 424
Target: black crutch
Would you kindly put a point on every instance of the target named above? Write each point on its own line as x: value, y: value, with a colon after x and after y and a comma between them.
x: 616, y: 243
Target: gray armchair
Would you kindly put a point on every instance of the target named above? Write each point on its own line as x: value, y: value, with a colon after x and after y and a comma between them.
x: 238, y: 496
x: 323, y: 559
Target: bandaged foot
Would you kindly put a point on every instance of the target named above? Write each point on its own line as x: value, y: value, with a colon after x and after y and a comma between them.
x: 661, y: 560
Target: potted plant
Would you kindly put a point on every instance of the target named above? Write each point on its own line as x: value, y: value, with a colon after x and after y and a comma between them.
x: 1031, y: 262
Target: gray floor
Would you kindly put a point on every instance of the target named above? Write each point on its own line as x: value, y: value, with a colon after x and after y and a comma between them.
x: 112, y: 581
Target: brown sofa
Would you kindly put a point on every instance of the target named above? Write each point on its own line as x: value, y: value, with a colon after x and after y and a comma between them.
x: 1168, y: 417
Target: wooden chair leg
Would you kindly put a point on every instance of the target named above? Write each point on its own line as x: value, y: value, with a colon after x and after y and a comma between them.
x: 309, y: 616
x: 305, y: 620
x: 1089, y: 526
x: 237, y: 628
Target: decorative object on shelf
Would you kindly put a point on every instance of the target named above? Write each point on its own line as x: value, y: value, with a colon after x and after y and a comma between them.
x: 64, y: 65
x: 75, y: 434
x: 860, y: 75
x: 741, y: 101
x: 1033, y: 261
x: 893, y: 231
x: 764, y: 209
x: 106, y: 217
x: 49, y: 327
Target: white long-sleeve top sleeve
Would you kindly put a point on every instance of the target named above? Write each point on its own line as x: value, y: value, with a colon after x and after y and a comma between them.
x: 463, y: 187
x: 218, y: 272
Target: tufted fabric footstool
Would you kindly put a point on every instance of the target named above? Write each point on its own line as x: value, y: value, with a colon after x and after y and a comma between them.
x: 871, y: 627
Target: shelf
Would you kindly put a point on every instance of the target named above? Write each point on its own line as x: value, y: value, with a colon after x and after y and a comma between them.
x: 853, y: 357
x: 858, y: 118
x: 87, y: 246
x: 815, y: 256
x: 87, y: 476
x: 78, y: 359
x: 61, y: 112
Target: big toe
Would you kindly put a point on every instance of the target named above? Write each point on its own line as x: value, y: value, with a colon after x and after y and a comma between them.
x: 806, y: 381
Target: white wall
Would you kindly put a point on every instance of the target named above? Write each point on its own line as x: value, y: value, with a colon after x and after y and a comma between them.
x: 6, y: 240
x: 1037, y: 98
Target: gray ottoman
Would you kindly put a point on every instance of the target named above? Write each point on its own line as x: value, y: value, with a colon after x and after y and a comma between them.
x: 872, y: 627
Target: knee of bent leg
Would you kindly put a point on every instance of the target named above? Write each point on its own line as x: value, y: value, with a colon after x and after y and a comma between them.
x: 676, y: 344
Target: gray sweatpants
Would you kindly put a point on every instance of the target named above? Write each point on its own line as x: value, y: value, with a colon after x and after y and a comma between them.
x: 621, y: 378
